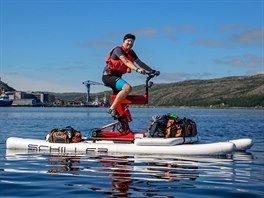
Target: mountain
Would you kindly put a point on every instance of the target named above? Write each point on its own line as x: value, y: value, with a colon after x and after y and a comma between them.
x: 235, y: 91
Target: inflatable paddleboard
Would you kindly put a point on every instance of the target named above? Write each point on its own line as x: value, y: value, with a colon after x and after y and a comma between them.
x: 175, y: 146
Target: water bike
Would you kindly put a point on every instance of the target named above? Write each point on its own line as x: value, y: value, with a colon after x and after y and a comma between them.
x: 120, y: 129
x: 117, y: 137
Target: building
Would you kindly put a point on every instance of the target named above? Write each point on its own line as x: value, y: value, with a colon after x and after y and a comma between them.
x: 31, y: 98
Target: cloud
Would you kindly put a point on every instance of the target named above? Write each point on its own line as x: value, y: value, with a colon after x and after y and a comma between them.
x: 246, y: 60
x: 254, y: 72
x: 21, y: 83
x: 167, y: 29
x: 245, y: 37
x: 79, y: 67
x: 146, y: 32
x: 253, y: 37
x: 114, y: 34
x: 213, y: 43
x: 180, y: 76
x: 75, y: 65
x: 141, y: 32
x: 66, y: 66
x: 172, y: 29
x: 233, y: 27
x: 96, y: 43
x: 11, y: 73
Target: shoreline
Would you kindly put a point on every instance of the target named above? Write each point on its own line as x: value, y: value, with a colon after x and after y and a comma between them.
x: 145, y: 106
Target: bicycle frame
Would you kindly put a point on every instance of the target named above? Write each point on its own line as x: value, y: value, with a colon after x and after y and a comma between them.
x: 122, y: 125
x: 133, y: 99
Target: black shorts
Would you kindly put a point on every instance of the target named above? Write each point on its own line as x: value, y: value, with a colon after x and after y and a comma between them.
x: 111, y: 81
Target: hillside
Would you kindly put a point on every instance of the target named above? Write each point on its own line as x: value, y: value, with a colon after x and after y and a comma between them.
x: 241, y: 91
x: 5, y: 87
x: 235, y: 91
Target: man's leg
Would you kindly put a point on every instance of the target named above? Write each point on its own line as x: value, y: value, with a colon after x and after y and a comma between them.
x: 121, y: 95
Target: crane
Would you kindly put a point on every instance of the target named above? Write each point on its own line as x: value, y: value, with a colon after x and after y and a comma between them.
x: 88, y: 84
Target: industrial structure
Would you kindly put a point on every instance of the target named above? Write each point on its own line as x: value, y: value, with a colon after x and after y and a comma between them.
x: 88, y: 84
x: 48, y: 99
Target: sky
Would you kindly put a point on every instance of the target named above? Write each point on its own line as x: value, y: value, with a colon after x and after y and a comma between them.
x: 55, y: 45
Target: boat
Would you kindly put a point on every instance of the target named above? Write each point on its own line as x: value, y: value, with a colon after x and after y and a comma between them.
x: 140, y: 145
x: 5, y: 101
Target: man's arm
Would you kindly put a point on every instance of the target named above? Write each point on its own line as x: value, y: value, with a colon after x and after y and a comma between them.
x: 128, y: 63
x: 134, y: 67
x: 143, y: 65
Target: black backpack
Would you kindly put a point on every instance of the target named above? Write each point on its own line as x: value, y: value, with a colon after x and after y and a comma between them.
x: 157, y: 126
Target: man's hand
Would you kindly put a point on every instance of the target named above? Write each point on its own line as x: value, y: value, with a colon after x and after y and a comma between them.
x: 141, y: 71
x: 157, y: 73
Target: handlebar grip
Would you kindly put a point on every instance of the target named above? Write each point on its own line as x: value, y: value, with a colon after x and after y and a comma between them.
x: 152, y: 74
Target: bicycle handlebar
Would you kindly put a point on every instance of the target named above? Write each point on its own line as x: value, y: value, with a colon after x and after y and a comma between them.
x: 150, y: 76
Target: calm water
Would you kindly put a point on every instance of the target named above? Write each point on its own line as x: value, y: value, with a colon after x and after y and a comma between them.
x: 49, y: 175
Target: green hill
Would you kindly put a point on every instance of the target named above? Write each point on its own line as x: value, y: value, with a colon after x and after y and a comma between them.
x: 240, y: 91
x: 235, y: 91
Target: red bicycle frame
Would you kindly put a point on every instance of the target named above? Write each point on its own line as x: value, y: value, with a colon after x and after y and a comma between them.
x: 124, y: 117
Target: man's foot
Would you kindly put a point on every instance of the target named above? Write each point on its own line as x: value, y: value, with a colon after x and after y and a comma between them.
x: 113, y: 113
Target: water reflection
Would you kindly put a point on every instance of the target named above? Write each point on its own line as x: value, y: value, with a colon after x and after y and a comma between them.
x: 61, y: 164
x: 141, y: 175
x: 173, y: 171
x: 118, y: 169
x: 130, y: 173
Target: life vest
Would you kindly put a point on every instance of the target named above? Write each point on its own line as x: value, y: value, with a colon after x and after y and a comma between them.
x: 118, y: 65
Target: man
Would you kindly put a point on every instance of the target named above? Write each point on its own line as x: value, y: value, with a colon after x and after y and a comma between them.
x: 119, y: 61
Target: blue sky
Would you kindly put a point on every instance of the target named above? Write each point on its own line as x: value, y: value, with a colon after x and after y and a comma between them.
x: 55, y: 45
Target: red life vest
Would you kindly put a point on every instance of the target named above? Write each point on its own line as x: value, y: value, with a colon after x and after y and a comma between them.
x: 118, y: 65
